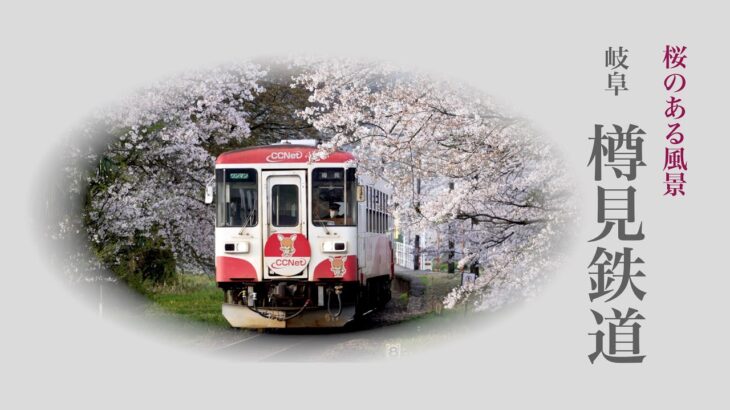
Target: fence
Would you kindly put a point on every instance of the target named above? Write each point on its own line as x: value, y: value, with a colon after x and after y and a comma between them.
x: 404, y: 256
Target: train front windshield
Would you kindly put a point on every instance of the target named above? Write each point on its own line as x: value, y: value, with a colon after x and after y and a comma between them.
x: 334, y: 196
x: 237, y: 197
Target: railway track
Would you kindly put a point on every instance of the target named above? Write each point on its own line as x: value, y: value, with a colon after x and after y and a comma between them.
x: 367, y: 341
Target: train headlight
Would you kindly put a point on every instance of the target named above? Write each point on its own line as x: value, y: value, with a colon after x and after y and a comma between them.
x: 237, y: 247
x: 334, y: 247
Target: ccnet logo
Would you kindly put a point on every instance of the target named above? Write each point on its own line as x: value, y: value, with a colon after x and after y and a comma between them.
x: 287, y: 254
x: 278, y: 156
x: 279, y: 263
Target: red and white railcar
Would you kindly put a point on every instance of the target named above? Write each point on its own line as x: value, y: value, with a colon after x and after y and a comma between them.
x: 298, y: 243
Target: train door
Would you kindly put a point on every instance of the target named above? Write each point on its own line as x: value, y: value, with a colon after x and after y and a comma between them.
x: 286, y: 247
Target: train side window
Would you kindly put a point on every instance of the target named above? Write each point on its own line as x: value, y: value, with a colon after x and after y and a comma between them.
x: 377, y: 218
x: 378, y: 222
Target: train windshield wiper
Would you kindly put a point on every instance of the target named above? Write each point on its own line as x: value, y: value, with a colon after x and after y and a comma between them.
x: 247, y: 221
x: 324, y: 226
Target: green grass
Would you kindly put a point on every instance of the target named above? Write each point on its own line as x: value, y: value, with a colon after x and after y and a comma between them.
x: 193, y: 297
x: 439, y: 284
x: 197, y: 298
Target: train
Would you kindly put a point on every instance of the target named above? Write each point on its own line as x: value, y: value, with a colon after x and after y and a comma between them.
x: 300, y: 241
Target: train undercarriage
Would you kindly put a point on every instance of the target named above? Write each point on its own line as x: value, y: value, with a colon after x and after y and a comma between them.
x: 299, y: 303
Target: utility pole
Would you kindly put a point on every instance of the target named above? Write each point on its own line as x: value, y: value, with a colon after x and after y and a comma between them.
x: 417, y: 239
x: 451, y: 264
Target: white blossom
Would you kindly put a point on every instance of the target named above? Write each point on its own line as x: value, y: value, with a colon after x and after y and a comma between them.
x: 162, y: 138
x: 508, y: 201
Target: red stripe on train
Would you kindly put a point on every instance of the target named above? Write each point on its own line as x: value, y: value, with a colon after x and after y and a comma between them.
x: 342, y: 267
x: 229, y: 269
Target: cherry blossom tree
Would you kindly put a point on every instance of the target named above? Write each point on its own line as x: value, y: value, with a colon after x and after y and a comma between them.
x: 455, y: 163
x: 161, y: 143
x: 161, y: 151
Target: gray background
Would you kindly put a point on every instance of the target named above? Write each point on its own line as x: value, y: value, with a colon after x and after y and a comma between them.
x: 545, y: 61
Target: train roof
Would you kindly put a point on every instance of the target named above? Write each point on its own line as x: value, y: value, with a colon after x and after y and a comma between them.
x: 283, y: 153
